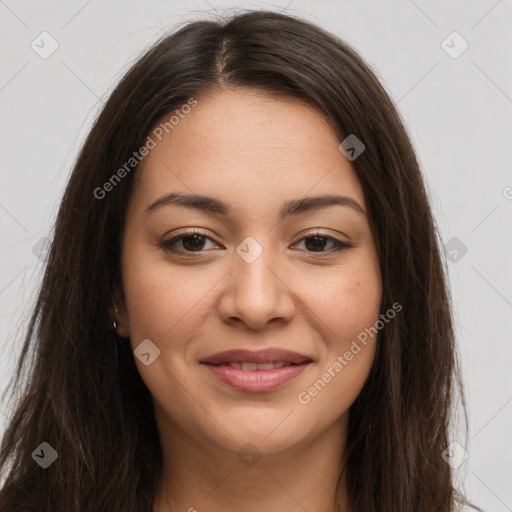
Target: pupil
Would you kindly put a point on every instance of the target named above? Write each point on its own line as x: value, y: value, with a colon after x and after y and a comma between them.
x: 317, y: 238
x: 193, y: 247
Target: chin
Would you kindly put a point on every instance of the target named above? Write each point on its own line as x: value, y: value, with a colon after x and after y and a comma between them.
x: 261, y: 437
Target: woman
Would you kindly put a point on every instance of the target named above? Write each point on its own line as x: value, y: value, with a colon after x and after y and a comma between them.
x: 244, y: 305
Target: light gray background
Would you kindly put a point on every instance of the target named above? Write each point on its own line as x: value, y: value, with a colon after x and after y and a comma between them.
x: 459, y: 113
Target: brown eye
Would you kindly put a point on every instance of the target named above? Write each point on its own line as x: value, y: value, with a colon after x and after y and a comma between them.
x: 317, y: 243
x: 186, y: 243
x: 193, y: 242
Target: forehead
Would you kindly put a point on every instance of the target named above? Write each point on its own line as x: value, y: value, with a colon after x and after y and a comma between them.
x: 243, y: 144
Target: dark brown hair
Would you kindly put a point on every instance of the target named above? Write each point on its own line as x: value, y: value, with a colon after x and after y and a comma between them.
x: 81, y: 391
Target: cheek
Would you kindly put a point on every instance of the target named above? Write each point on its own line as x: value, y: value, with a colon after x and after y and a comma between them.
x: 346, y: 300
x: 346, y: 306
x: 165, y: 301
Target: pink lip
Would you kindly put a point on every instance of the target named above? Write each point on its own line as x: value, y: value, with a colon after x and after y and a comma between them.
x: 268, y: 355
x: 257, y: 380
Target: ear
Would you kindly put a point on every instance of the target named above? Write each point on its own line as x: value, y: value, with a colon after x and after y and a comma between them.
x: 121, y: 315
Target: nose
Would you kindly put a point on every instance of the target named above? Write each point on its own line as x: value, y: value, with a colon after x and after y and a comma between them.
x: 256, y: 293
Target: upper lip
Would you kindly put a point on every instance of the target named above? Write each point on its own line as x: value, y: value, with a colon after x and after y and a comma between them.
x: 269, y: 355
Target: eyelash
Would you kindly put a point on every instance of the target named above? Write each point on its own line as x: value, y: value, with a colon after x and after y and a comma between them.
x: 168, y: 245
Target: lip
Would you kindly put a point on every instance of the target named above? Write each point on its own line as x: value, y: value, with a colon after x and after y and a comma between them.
x: 255, y: 381
x: 268, y: 355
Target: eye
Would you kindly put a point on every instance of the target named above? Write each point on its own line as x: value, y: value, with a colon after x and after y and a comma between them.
x: 195, y: 241
x: 316, y: 242
x: 191, y: 241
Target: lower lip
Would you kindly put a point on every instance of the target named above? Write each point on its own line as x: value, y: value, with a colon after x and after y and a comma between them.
x: 257, y: 380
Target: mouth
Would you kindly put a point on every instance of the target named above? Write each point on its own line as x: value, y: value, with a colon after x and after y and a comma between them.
x: 249, y: 366
x: 274, y: 356
x: 259, y: 371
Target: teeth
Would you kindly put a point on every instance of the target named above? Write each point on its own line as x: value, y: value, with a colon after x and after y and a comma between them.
x: 250, y: 366
x: 266, y: 366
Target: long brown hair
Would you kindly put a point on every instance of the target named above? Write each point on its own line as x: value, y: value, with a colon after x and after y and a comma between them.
x: 76, y: 385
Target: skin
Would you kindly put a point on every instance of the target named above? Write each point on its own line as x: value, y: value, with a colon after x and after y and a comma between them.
x: 254, y: 152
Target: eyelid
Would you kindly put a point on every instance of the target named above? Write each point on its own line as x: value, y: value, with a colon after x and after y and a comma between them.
x: 319, y: 232
x: 187, y: 233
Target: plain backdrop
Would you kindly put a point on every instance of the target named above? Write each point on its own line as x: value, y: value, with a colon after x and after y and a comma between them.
x: 456, y: 101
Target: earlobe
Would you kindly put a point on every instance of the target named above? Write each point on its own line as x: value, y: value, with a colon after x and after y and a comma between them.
x: 119, y: 315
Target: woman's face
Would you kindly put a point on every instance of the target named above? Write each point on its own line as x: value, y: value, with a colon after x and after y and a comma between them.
x: 256, y: 278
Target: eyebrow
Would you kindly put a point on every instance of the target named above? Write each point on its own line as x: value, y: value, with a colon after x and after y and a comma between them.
x: 217, y: 206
